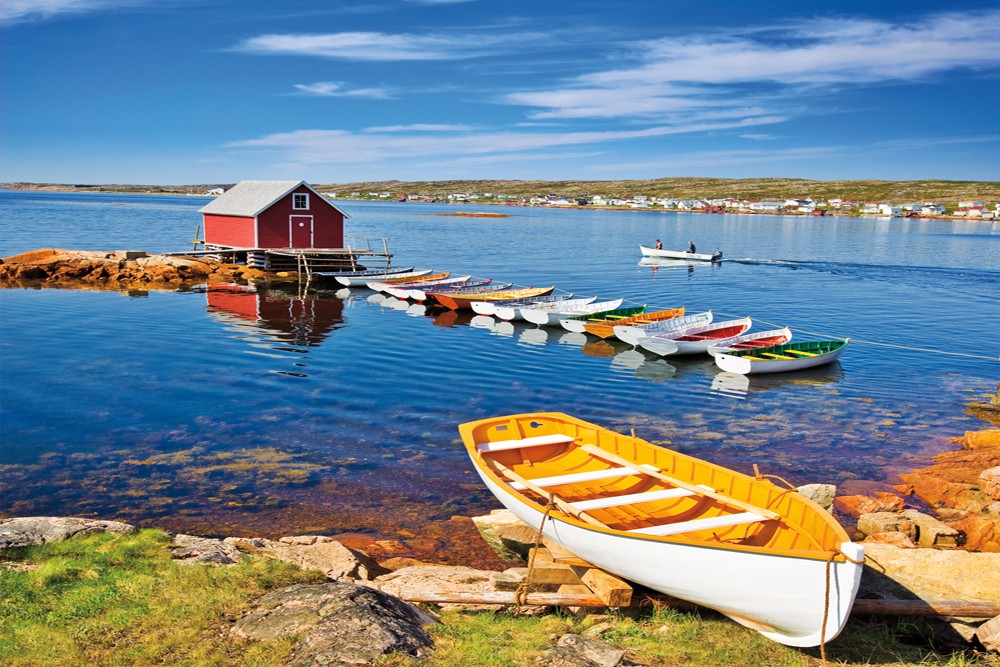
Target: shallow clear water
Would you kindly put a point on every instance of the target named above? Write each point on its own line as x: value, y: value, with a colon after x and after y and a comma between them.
x: 232, y: 412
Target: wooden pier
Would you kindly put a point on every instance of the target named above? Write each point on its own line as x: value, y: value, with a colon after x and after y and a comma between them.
x: 361, y: 254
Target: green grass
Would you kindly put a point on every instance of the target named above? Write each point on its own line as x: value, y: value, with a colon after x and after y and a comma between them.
x: 120, y: 600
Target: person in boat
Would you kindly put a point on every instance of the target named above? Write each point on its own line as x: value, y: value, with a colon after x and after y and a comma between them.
x: 691, y: 247
x: 659, y: 246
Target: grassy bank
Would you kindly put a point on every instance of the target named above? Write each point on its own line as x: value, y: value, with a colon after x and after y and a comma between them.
x: 120, y: 600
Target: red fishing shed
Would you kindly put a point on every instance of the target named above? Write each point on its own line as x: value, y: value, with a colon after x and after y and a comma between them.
x: 272, y: 214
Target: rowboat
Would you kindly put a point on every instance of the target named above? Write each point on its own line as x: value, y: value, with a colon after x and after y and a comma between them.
x: 402, y: 291
x: 490, y: 307
x: 680, y: 254
x: 380, y: 285
x: 763, y: 555
x: 518, y: 311
x: 358, y: 278
x: 463, y: 301
x: 576, y: 323
x: 781, y: 358
x: 694, y: 340
x: 633, y: 332
x: 484, y: 284
x: 752, y: 340
x: 606, y: 328
x: 550, y: 317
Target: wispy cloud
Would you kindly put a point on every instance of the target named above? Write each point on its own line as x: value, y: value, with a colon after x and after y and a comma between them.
x: 770, y: 63
x: 339, y: 89
x: 420, y: 127
x: 317, y: 147
x: 14, y: 11
x: 379, y: 46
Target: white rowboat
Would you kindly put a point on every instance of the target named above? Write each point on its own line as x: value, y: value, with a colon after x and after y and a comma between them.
x: 550, y: 317
x: 518, y: 311
x: 694, y: 340
x: 680, y: 254
x: 765, y: 556
x: 752, y: 340
x: 633, y: 332
x: 358, y: 278
x: 782, y: 358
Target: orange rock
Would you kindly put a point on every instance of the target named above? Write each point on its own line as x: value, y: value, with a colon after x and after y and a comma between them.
x: 979, y: 439
x: 896, y: 538
x: 981, y: 533
x: 989, y: 482
x: 858, y: 505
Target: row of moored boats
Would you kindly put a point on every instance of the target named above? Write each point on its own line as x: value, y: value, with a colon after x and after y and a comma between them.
x: 664, y: 332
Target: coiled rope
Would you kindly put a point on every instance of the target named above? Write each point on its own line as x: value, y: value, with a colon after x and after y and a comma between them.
x: 871, y: 342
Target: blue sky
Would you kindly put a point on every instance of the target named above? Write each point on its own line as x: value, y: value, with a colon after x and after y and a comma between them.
x: 183, y: 92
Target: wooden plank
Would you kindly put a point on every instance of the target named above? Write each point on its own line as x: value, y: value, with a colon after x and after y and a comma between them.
x: 632, y: 498
x: 614, y: 591
x: 535, y: 441
x: 500, y: 597
x: 586, y: 476
x: 926, y: 608
x: 726, y: 500
x: 560, y: 555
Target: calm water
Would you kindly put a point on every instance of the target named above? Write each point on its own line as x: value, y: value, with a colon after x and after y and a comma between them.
x: 227, y: 411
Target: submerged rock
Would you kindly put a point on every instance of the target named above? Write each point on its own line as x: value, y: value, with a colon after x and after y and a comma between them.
x: 34, y: 530
x: 340, y: 624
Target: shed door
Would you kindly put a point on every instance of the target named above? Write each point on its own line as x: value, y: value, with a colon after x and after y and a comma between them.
x: 300, y: 234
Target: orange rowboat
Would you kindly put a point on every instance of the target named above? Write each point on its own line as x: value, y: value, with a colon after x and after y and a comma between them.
x: 464, y: 302
x: 606, y: 328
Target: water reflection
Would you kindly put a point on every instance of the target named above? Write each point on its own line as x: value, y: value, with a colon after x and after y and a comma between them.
x: 645, y: 367
x: 282, y: 316
x: 738, y: 386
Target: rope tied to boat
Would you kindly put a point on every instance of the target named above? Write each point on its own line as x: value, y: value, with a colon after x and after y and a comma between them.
x: 826, y: 598
x: 521, y: 593
x: 758, y: 475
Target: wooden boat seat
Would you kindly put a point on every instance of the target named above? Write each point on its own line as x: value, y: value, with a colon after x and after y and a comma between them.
x: 699, y: 524
x: 536, y: 441
x: 800, y: 352
x: 634, y: 498
x: 775, y: 356
x: 587, y: 476
x: 752, y: 358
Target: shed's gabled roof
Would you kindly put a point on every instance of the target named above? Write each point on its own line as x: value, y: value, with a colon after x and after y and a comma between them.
x: 249, y: 198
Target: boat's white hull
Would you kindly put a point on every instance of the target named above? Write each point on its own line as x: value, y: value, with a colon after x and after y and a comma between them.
x: 632, y: 333
x: 363, y: 280
x: 551, y: 317
x: 514, y: 310
x: 576, y: 326
x: 679, y: 254
x: 722, y: 347
x: 399, y: 290
x: 745, y: 366
x: 782, y: 597
x: 672, y: 342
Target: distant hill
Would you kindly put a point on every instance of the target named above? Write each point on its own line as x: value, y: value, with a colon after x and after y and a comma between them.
x: 944, y: 192
x: 948, y: 193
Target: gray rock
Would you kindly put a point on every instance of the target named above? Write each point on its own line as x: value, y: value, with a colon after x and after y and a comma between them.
x: 929, y: 574
x: 509, y: 536
x: 441, y: 579
x: 315, y: 552
x: 932, y: 532
x: 340, y: 623
x: 578, y: 651
x: 821, y: 494
x: 988, y: 634
x: 190, y: 549
x: 33, y: 530
x: 886, y: 522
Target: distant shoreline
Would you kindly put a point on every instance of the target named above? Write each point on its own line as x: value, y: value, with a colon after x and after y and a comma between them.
x: 189, y: 190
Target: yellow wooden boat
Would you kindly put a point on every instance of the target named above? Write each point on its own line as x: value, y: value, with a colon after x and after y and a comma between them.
x: 605, y: 328
x: 764, y: 555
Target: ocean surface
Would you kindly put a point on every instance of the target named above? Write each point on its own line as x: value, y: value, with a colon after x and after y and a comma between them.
x: 229, y: 411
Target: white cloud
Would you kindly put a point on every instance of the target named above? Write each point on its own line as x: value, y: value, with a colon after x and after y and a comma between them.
x: 773, y: 64
x: 378, y: 46
x: 420, y: 127
x: 340, y: 147
x: 12, y: 11
x: 338, y: 89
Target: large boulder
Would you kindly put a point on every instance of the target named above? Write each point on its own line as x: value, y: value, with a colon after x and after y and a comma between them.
x: 191, y: 549
x: 979, y: 439
x: 929, y: 574
x: 315, y: 552
x: 440, y: 579
x: 988, y: 634
x: 339, y: 623
x: 32, y: 530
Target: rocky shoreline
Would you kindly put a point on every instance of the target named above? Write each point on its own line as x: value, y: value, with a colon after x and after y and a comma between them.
x: 362, y: 611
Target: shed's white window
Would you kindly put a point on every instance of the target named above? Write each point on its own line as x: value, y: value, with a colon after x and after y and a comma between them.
x: 300, y: 201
